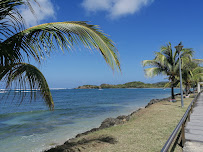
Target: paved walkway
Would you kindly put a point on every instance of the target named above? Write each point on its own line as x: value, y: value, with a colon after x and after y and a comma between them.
x: 194, y: 129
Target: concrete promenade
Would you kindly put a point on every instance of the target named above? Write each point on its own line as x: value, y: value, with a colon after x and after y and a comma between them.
x: 194, y: 129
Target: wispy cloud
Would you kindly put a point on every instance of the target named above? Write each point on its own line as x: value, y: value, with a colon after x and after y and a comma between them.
x: 43, y: 10
x: 115, y: 8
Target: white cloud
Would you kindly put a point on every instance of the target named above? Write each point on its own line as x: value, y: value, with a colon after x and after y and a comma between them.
x: 115, y: 8
x: 43, y: 10
x: 97, y: 5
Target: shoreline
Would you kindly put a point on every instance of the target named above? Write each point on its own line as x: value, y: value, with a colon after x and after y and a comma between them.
x: 133, y: 84
x: 109, y: 122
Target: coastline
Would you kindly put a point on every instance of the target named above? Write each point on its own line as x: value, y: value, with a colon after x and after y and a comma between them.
x: 108, y: 122
x: 134, y: 84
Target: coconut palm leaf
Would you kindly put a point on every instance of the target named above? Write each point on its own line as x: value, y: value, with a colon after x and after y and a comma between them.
x: 191, y: 73
x: 149, y: 63
x: 151, y: 72
x: 10, y: 19
x: 187, y: 52
x: 167, y: 50
x: 40, y: 40
x: 23, y: 75
x: 198, y: 61
x: 197, y: 74
x: 161, y: 58
x: 167, y: 85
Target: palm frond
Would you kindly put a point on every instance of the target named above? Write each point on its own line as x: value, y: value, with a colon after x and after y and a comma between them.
x: 10, y: 19
x: 198, y: 61
x: 167, y: 52
x: 167, y: 85
x: 197, y: 74
x: 148, y: 63
x: 23, y: 75
x: 151, y: 72
x: 161, y: 58
x: 187, y: 53
x: 40, y: 40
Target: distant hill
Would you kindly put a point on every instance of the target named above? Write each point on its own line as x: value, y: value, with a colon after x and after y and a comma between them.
x: 134, y: 84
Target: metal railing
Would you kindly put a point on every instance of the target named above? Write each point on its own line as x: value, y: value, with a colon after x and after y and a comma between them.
x: 178, y: 135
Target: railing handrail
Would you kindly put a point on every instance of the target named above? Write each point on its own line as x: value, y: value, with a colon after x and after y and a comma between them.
x: 178, y: 127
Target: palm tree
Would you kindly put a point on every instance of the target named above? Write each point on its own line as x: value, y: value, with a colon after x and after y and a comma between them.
x: 192, y: 73
x: 166, y: 62
x: 18, y: 46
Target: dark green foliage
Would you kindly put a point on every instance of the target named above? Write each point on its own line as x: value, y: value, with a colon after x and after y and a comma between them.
x: 192, y: 73
x: 134, y: 84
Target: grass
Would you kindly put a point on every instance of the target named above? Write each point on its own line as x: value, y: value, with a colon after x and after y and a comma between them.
x: 147, y: 130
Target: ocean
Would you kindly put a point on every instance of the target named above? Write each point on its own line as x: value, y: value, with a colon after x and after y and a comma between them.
x: 31, y: 127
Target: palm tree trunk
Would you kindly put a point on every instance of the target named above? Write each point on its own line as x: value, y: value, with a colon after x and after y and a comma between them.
x: 187, y: 90
x: 172, y: 93
x: 193, y: 89
x: 172, y: 88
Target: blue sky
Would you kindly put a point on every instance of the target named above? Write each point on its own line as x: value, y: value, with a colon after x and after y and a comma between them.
x: 138, y: 27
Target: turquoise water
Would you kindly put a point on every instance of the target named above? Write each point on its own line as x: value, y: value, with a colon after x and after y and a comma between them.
x: 32, y: 127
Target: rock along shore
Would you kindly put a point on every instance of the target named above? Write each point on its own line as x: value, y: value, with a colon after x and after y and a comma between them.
x: 108, y: 122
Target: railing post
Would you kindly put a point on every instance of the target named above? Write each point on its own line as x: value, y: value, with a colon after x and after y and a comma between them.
x: 189, y: 116
x: 183, y: 135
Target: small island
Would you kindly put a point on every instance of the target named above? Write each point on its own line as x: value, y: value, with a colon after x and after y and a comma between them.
x: 134, y: 84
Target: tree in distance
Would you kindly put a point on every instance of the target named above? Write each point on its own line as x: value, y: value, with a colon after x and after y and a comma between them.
x: 192, y: 73
x: 166, y: 62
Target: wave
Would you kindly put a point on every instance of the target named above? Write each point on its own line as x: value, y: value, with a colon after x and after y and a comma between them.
x: 25, y: 89
x: 28, y: 136
x: 58, y: 88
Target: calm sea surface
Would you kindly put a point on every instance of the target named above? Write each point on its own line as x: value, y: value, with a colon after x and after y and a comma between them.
x: 32, y: 127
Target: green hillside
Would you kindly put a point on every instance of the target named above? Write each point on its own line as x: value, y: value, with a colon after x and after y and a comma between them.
x: 134, y: 84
